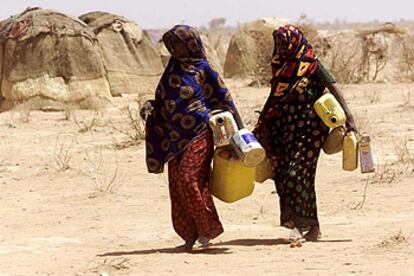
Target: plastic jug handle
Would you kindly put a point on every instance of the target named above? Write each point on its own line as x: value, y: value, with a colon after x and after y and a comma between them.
x: 325, y: 109
x: 223, y: 132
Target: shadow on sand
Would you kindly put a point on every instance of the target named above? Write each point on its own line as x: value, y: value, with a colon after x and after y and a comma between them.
x: 254, y: 242
x: 338, y: 240
x: 215, y: 249
x: 271, y: 242
x: 171, y: 250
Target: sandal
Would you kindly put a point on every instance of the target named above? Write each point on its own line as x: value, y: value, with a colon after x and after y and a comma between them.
x: 201, y: 243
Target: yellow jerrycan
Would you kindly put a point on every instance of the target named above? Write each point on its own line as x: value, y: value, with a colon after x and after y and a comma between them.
x: 350, y: 152
x: 231, y: 179
x: 264, y: 171
x: 330, y: 111
x: 335, y: 140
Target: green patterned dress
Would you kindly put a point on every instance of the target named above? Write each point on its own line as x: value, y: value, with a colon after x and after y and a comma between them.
x: 293, y: 137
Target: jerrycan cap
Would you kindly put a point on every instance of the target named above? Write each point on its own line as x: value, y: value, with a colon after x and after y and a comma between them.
x: 365, y: 138
x: 227, y: 154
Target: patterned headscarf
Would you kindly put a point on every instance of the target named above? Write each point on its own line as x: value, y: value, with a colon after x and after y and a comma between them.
x: 293, y: 63
x: 184, y: 43
x: 188, y: 91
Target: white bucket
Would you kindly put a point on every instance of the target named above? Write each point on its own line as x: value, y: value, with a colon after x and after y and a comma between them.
x: 223, y: 126
x: 248, y: 148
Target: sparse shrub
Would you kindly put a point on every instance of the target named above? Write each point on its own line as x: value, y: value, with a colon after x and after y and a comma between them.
x: 63, y: 152
x: 106, y: 175
x: 374, y: 54
x: 320, y: 44
x: 404, y: 155
x: 374, y: 97
x: 366, y: 123
x: 131, y: 126
x: 402, y: 166
x: 386, y: 172
x: 341, y: 58
x: 217, y: 23
x: 364, y: 197
x: 396, y: 240
x: 360, y: 55
x: 406, y: 58
x: 87, y: 124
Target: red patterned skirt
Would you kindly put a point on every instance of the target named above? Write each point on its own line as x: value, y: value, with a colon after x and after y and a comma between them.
x: 192, y: 206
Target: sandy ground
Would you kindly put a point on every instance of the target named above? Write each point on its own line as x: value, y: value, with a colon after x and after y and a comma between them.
x: 63, y: 222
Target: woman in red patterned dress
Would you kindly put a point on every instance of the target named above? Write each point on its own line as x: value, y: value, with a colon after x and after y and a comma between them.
x: 177, y: 133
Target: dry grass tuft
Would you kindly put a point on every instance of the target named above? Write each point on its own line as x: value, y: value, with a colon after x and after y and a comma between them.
x: 404, y: 155
x: 63, y: 152
x: 396, y: 240
x: 361, y: 204
x: 131, y: 126
x: 403, y: 165
x: 104, y: 172
x: 88, y: 124
x: 366, y: 123
x: 406, y: 58
x: 374, y: 96
x: 107, y: 267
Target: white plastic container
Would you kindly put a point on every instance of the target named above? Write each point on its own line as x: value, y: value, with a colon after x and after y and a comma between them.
x: 224, y: 127
x: 247, y: 148
x: 365, y: 155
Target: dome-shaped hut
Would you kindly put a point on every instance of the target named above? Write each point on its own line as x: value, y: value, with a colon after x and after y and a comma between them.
x: 129, y: 55
x: 47, y: 54
x: 250, y: 50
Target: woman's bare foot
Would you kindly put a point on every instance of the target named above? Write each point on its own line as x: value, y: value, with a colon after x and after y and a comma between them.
x: 296, y: 234
x: 314, y: 234
x: 187, y: 246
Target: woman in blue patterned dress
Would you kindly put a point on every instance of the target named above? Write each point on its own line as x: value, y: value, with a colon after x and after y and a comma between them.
x: 177, y: 133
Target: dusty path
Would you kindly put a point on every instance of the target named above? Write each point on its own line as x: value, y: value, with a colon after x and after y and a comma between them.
x: 58, y: 223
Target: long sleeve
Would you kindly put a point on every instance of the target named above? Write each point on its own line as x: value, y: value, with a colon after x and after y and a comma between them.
x: 324, y: 76
x: 216, y: 93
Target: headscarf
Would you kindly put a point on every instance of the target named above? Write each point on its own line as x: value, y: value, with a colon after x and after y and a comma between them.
x: 293, y: 63
x: 188, y: 91
x: 184, y: 43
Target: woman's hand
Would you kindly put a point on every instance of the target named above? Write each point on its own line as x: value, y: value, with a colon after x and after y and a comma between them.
x: 238, y: 118
x: 350, y: 122
x: 146, y: 110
